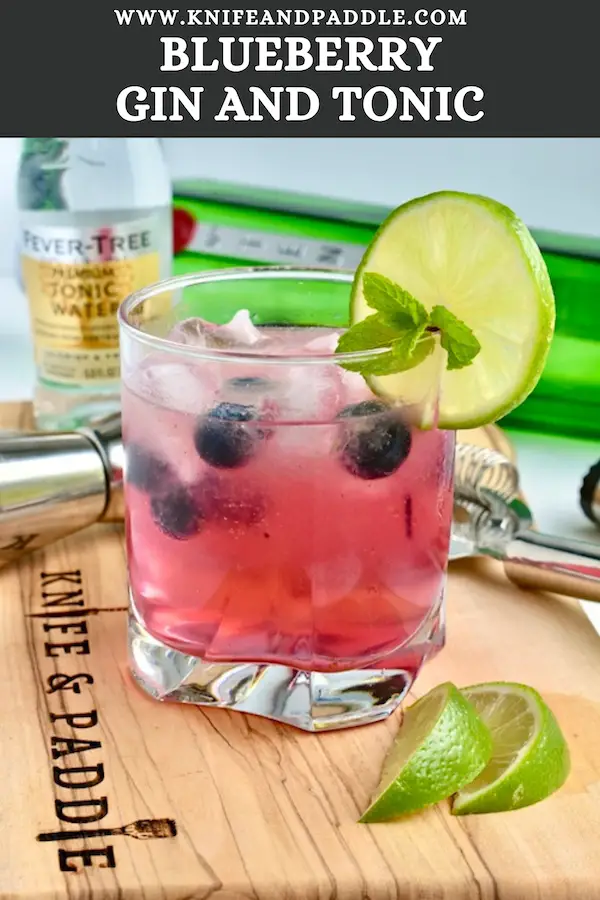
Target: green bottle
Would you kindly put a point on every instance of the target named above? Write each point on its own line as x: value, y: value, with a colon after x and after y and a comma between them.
x: 217, y: 225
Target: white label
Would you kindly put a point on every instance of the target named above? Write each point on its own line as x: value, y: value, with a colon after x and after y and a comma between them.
x: 266, y: 247
x: 88, y: 244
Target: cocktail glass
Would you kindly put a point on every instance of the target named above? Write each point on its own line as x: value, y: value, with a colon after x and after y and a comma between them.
x: 287, y: 532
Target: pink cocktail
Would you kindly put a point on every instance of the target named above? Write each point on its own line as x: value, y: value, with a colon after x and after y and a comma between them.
x: 287, y: 531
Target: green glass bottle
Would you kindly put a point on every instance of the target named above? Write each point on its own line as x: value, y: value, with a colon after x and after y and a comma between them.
x: 217, y: 225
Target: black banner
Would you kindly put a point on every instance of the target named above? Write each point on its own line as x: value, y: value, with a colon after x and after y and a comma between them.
x: 522, y: 69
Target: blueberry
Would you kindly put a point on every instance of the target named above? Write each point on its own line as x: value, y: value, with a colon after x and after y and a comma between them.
x: 251, y: 382
x: 364, y: 408
x: 377, y: 446
x: 230, y: 504
x: 144, y: 470
x: 177, y: 512
x: 222, y: 439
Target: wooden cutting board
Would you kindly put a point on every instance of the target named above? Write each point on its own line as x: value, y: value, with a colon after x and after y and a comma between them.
x: 251, y: 809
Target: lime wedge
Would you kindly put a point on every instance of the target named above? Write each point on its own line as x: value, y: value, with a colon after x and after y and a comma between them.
x: 530, y: 759
x: 441, y: 745
x: 474, y: 256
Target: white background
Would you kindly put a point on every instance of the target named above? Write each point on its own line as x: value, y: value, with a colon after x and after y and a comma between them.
x: 551, y: 183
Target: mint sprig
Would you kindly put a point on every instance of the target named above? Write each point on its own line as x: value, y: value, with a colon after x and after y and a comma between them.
x: 401, y: 324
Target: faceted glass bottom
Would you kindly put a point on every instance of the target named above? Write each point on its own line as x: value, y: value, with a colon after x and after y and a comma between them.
x: 311, y: 701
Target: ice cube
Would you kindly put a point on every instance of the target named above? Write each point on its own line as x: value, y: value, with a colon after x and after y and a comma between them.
x: 322, y: 344
x: 289, y: 341
x: 312, y: 393
x: 307, y: 404
x: 175, y: 384
x: 354, y: 388
x: 238, y: 333
x: 161, y: 424
x: 193, y: 332
x: 334, y: 579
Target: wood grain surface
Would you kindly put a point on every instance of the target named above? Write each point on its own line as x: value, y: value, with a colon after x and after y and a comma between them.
x: 185, y: 803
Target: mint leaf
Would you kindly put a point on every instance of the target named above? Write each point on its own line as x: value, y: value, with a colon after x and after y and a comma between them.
x: 421, y: 349
x: 394, y: 303
x: 456, y: 338
x: 383, y: 364
x: 369, y: 334
x: 407, y: 349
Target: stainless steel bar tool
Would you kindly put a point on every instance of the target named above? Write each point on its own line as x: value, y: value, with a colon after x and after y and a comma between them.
x: 53, y: 484
x: 490, y: 519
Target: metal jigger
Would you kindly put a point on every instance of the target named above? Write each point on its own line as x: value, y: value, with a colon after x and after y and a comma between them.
x: 55, y: 483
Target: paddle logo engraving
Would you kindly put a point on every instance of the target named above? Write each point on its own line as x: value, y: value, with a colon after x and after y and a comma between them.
x: 78, y: 773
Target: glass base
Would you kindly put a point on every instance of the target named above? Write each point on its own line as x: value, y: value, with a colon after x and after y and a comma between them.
x: 311, y: 701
